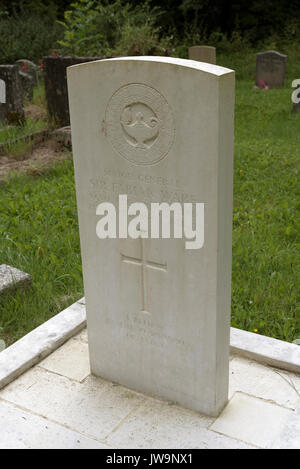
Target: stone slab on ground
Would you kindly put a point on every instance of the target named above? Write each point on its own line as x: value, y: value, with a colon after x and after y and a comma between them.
x: 10, y: 278
x: 40, y: 342
x: 63, y: 136
x: 59, y: 409
x: 252, y: 420
x: 24, y: 430
x: 289, y: 437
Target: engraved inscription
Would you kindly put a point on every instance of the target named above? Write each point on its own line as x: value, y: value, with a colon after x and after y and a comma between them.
x: 271, y: 64
x: 139, y: 124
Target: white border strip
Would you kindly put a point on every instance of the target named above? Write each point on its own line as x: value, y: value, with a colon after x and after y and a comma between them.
x: 265, y: 350
x: 43, y: 340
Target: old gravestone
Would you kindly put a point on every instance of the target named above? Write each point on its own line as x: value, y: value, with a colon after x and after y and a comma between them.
x: 2, y: 92
x: 270, y: 68
x: 296, y: 98
x: 29, y: 67
x: 12, y: 110
x: 158, y: 314
x: 10, y: 278
x: 55, y: 73
x: 27, y: 86
x: 203, y: 54
x: 29, y: 77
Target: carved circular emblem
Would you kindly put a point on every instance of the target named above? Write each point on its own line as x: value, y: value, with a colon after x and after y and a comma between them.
x: 139, y: 124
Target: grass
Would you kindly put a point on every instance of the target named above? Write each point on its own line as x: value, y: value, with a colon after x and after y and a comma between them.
x: 266, y: 214
x: 39, y: 232
x: 31, y: 125
x: 39, y: 235
x: 8, y: 133
x: 39, y: 95
x: 16, y: 147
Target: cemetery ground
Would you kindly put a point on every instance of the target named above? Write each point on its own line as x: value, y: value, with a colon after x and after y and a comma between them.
x: 39, y: 228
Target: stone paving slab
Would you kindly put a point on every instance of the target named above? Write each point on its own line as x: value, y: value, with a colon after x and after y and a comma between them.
x: 23, y: 430
x: 289, y: 437
x: 60, y: 392
x: 252, y: 420
x: 159, y: 425
x: 268, y: 383
x: 93, y: 408
x: 71, y: 360
x: 10, y: 278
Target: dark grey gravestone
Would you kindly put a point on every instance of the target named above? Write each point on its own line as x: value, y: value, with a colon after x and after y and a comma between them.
x: 28, y: 67
x: 27, y: 85
x: 55, y: 73
x: 2, y: 92
x: 29, y: 77
x: 11, y: 112
x: 296, y: 106
x: 11, y: 278
x: 270, y: 68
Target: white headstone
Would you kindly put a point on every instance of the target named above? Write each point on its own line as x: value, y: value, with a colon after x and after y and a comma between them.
x: 203, y: 54
x: 158, y: 130
x: 2, y: 92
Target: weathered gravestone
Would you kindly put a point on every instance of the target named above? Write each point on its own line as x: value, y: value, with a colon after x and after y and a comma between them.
x: 12, y: 110
x: 203, y: 54
x: 296, y: 100
x: 27, y: 86
x: 55, y: 73
x: 10, y: 278
x: 158, y: 130
x: 28, y: 75
x: 270, y: 68
x: 2, y: 92
x: 28, y: 67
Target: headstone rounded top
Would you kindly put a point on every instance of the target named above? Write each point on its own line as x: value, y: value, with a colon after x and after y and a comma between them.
x: 27, y: 62
x: 203, y: 54
x: 272, y: 52
x: 192, y: 64
x: 203, y: 47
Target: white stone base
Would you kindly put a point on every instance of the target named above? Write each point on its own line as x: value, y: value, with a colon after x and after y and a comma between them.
x: 59, y: 404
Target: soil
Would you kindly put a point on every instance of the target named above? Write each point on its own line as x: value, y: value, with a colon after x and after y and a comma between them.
x: 35, y: 112
x: 42, y: 156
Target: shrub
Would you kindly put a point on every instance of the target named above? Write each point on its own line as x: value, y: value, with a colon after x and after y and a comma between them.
x: 111, y: 28
x: 27, y: 34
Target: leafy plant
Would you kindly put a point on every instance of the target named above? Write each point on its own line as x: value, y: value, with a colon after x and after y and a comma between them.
x: 27, y: 34
x: 111, y: 28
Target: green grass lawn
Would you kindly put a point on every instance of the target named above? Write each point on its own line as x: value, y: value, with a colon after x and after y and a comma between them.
x: 11, y: 133
x: 39, y: 231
